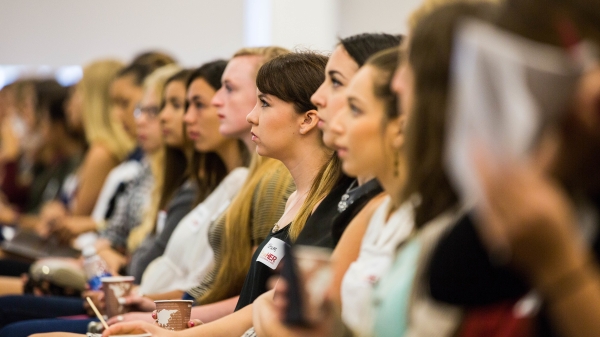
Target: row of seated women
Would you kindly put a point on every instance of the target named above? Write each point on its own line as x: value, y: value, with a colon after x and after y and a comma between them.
x: 274, y: 148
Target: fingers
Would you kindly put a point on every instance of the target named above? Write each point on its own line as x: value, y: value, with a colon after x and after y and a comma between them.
x: 135, y: 327
x: 194, y: 322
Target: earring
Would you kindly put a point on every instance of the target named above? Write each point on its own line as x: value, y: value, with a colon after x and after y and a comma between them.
x: 396, y: 163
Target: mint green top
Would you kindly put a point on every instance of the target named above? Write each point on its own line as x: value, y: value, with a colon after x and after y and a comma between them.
x: 392, y: 294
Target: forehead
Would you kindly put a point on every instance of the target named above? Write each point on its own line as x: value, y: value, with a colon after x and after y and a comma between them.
x: 150, y: 97
x: 361, y: 84
x: 175, y: 88
x: 199, y: 86
x: 122, y: 85
x: 341, y: 61
x: 241, y: 68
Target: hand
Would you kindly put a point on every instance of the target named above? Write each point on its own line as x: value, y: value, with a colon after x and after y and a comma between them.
x: 97, y: 298
x: 137, y: 327
x: 114, y: 260
x: 526, y: 214
x: 52, y: 210
x: 274, y: 304
x: 139, y: 303
x: 130, y: 317
x: 194, y: 322
x: 8, y: 215
x: 65, y: 228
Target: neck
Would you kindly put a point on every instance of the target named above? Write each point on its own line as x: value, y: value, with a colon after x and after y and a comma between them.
x: 363, y: 179
x: 393, y: 185
x: 230, y: 154
x: 305, y: 165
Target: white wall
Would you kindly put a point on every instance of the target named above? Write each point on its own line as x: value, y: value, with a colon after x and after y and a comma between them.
x: 375, y: 16
x: 67, y: 32
x: 62, y: 32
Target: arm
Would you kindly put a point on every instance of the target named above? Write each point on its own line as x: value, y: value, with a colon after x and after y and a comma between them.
x: 97, y: 164
x: 214, y: 311
x: 233, y: 325
x: 348, y: 248
x: 181, y: 205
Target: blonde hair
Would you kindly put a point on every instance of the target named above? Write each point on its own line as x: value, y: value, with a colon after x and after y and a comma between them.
x: 156, y: 82
x: 99, y: 125
x: 236, y: 242
x: 265, y: 54
x: 429, y: 6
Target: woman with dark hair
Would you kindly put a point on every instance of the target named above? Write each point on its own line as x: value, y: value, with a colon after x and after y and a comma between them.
x: 348, y: 56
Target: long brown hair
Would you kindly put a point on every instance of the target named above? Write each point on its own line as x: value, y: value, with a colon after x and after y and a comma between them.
x: 294, y: 78
x: 209, y: 164
x: 429, y: 56
x: 236, y: 243
x: 176, y: 159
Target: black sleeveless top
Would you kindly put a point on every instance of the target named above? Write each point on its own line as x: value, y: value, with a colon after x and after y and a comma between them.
x: 316, y: 232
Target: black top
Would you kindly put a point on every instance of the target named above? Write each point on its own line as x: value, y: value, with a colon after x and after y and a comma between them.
x: 356, y: 199
x: 319, y: 226
x: 258, y: 275
x: 462, y: 273
x: 316, y: 232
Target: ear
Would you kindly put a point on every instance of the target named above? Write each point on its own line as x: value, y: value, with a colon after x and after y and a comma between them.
x: 309, y: 121
x: 396, y: 129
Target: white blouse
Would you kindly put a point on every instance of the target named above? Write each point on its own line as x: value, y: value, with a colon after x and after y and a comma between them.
x: 188, y: 255
x: 377, y: 253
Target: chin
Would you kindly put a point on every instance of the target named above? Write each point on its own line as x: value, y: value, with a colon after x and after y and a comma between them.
x: 348, y: 170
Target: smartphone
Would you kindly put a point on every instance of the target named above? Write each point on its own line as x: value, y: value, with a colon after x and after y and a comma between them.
x: 307, y: 270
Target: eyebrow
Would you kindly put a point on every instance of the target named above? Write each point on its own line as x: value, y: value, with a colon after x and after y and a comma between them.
x: 263, y: 96
x: 333, y: 72
x: 353, y: 99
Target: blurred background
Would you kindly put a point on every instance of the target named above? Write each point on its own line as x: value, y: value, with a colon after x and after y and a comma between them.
x: 54, y: 38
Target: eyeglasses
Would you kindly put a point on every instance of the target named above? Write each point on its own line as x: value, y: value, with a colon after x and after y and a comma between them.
x: 150, y: 111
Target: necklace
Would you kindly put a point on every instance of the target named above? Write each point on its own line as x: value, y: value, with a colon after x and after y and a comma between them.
x: 344, y: 203
x: 276, y: 226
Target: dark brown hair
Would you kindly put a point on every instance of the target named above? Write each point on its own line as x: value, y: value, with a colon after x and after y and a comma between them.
x: 176, y: 170
x: 429, y: 56
x: 294, y: 78
x: 209, y: 165
x: 361, y: 46
x: 385, y: 62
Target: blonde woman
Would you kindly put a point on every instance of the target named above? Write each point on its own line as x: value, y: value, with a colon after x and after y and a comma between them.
x: 108, y: 142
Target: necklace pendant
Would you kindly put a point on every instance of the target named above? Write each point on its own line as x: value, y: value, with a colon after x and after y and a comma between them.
x: 275, y: 228
x: 342, y: 205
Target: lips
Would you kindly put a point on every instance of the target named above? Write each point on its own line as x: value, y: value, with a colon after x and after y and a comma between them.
x: 193, y: 135
x: 254, y: 136
x: 341, y: 152
x: 221, y: 116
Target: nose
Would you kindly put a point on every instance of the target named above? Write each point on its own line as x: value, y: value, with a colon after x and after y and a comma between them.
x: 252, y: 117
x: 217, y: 99
x: 396, y: 84
x: 318, y: 98
x: 189, y: 117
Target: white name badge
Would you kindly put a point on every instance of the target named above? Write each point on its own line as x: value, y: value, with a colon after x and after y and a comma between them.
x: 161, y: 218
x: 272, y: 253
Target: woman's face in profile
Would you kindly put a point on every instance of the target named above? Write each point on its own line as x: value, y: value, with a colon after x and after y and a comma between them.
x: 171, y: 116
x: 329, y: 98
x: 201, y: 118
